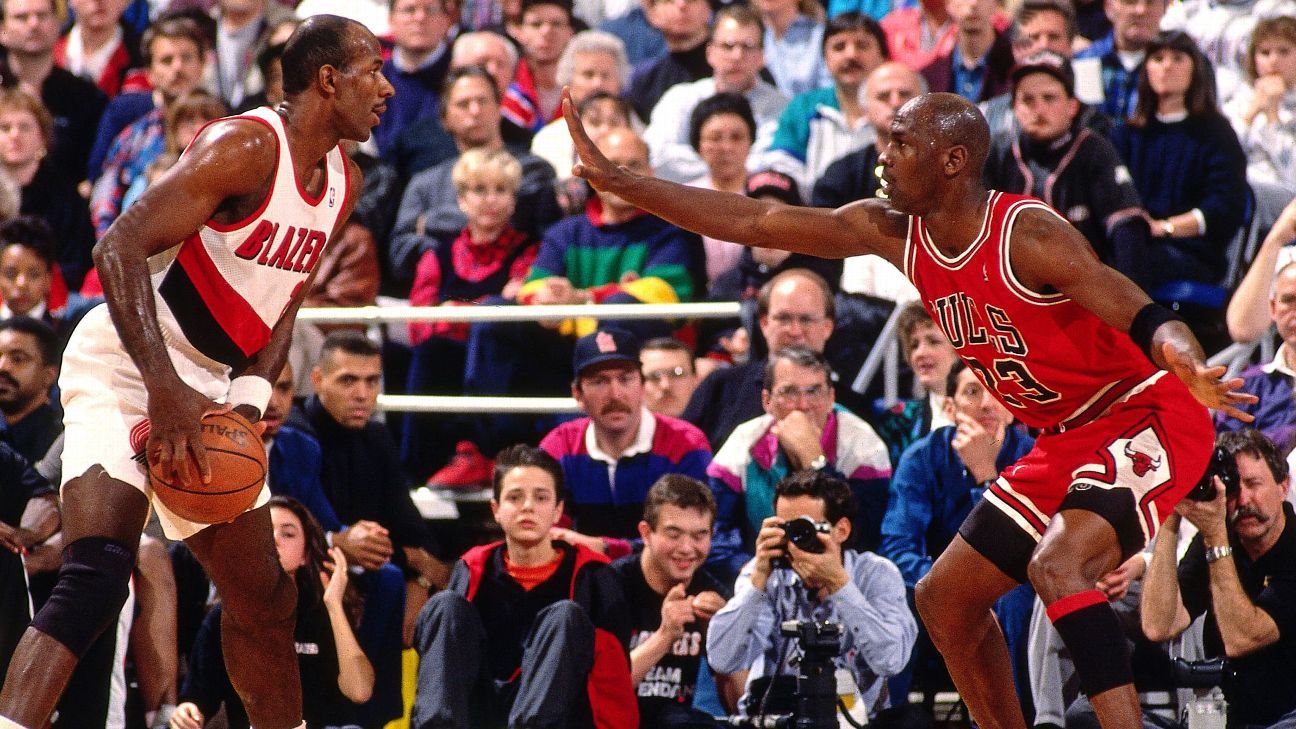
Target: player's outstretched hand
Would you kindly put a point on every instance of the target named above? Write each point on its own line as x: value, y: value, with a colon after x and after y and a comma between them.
x: 593, y: 166
x: 175, y: 432
x: 1205, y: 384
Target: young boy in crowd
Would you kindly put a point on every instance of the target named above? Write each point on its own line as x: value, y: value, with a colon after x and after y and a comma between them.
x: 531, y: 631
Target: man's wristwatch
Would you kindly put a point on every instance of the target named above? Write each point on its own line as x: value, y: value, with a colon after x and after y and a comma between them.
x: 1215, y: 554
x: 819, y: 463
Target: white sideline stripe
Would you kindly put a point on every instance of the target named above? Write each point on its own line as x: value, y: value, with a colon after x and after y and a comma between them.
x: 374, y: 314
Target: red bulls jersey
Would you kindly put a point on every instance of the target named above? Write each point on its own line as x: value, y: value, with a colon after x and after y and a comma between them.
x: 224, y: 287
x: 1048, y: 359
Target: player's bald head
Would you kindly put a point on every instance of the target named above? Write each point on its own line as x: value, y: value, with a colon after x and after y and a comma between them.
x: 949, y: 120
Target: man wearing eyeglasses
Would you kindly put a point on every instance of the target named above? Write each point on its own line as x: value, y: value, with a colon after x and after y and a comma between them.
x: 802, y: 429
x: 422, y: 31
x: 736, y: 55
x: 669, y: 376
x: 611, y: 457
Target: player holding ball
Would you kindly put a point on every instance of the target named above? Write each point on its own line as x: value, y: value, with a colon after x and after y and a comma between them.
x: 203, y: 278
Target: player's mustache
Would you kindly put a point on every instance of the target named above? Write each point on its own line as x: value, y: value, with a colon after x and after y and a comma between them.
x: 615, y: 407
x: 8, y: 379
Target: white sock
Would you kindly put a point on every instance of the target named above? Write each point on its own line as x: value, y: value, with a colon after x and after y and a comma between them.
x: 11, y: 724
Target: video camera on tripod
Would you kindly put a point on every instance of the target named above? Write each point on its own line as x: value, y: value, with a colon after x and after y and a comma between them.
x: 816, y: 688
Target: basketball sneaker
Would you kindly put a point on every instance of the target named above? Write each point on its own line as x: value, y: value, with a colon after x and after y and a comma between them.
x: 467, y: 469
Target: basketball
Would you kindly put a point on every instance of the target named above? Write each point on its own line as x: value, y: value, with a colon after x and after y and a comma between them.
x: 238, y: 467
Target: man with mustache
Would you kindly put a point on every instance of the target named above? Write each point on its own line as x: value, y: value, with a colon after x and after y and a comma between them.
x: 1240, y: 570
x: 614, y: 455
x: 825, y: 124
x: 29, y: 357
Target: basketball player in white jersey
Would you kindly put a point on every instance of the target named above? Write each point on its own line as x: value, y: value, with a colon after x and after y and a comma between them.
x: 203, y: 278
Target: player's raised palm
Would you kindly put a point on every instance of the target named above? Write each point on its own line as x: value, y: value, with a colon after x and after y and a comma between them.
x: 594, y: 167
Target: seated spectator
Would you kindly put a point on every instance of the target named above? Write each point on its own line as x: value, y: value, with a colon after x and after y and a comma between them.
x: 860, y: 590
x: 643, y: 42
x: 802, y: 429
x: 1108, y: 71
x: 28, y: 272
x: 1050, y: 155
x: 937, y: 482
x: 593, y: 64
x: 918, y: 34
x: 722, y: 132
x: 1239, y: 571
x: 47, y: 192
x: 685, y: 25
x: 180, y: 124
x: 28, y: 33
x: 1264, y: 113
x: 532, y: 631
x: 673, y: 598
x: 498, y: 54
x: 1223, y: 31
x: 1272, y: 382
x: 173, y: 48
x: 421, y: 32
x: 362, y: 477
x: 824, y: 124
x: 855, y: 176
x: 29, y: 365
x: 1249, y: 309
x: 102, y: 48
x: 795, y: 308
x: 243, y: 31
x: 1042, y: 25
x: 429, y: 209
x: 931, y: 356
x: 486, y: 262
x: 794, y: 38
x: 1190, y: 172
x: 614, y: 253
x: 736, y: 55
x: 546, y: 27
x: 669, y: 375
x: 757, y: 266
x: 976, y: 68
x: 335, y: 675
x: 20, y: 485
x: 613, y: 455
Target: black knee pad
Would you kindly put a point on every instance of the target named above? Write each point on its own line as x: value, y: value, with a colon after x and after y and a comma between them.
x: 91, y: 589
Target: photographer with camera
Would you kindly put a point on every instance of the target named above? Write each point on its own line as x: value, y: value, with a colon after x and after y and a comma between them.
x: 803, y: 572
x: 1240, y: 570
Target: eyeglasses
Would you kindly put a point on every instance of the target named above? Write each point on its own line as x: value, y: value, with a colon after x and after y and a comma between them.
x: 745, y: 48
x: 674, y: 373
x: 792, y: 393
x: 411, y: 10
x: 804, y: 320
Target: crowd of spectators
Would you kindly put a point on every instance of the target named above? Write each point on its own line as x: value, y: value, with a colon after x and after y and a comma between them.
x: 639, y: 574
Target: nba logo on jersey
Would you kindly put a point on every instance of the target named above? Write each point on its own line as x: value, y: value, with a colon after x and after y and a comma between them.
x: 332, y: 195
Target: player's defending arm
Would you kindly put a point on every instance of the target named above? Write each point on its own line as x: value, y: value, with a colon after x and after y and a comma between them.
x: 229, y: 164
x: 266, y: 364
x: 869, y: 226
x: 1050, y: 255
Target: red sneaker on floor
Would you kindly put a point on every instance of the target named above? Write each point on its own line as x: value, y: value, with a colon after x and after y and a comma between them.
x: 468, y: 468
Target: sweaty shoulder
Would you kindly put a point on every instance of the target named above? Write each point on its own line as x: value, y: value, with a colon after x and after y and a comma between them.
x: 878, y: 227
x: 240, y: 151
x: 1045, y: 249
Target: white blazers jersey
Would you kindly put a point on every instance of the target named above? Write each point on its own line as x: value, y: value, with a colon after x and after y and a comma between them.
x: 224, y: 287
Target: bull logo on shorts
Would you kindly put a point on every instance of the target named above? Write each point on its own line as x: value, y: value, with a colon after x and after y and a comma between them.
x: 1141, y: 462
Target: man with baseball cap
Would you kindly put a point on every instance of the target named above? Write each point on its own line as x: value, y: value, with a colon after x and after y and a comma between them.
x: 611, y: 457
x: 1068, y: 165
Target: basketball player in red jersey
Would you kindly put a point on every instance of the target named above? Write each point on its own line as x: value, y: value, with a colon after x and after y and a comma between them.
x: 1068, y: 344
x: 203, y: 278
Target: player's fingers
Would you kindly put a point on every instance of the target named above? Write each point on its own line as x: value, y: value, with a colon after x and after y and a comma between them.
x: 1233, y: 412
x: 198, y: 457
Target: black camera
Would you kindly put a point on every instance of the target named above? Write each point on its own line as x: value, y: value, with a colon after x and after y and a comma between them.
x: 815, y: 699
x: 803, y: 532
x: 1221, y: 465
